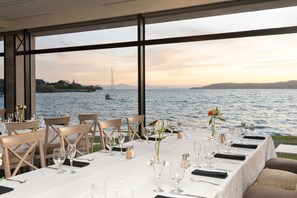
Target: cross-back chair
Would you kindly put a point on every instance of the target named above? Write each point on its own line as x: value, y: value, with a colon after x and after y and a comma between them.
x: 15, y: 128
x: 134, y: 124
x: 114, y: 125
x: 75, y: 134
x: 2, y: 113
x: 91, y: 120
x: 13, y: 159
x: 52, y: 139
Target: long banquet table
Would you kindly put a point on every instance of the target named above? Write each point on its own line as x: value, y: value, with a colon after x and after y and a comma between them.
x: 117, y: 172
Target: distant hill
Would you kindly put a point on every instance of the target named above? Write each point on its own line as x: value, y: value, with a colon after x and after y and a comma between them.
x: 277, y: 85
x: 63, y: 86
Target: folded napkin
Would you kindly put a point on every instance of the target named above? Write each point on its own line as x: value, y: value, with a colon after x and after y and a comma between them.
x: 162, y: 196
x: 254, y: 137
x: 151, y: 138
x: 76, y: 163
x: 168, y: 131
x: 249, y: 146
x: 216, y: 174
x: 228, y: 156
x: 4, y: 189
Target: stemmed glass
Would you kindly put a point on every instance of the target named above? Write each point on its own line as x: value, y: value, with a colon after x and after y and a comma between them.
x: 209, y: 151
x: 241, y: 133
x: 121, y: 139
x: 197, y: 146
x: 179, y: 123
x: 99, y: 190
x: 110, y: 143
x: 10, y: 117
x: 71, y: 151
x: 171, y: 127
x: 177, y: 173
x: 228, y: 141
x: 158, y: 164
x: 147, y: 133
x: 59, y: 156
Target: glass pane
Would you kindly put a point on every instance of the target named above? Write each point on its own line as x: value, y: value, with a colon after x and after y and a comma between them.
x: 173, y: 69
x: 1, y: 82
x: 1, y: 46
x: 114, y: 35
x: 87, y: 68
x: 282, y: 17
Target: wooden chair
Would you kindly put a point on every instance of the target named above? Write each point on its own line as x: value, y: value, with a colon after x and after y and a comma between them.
x: 91, y: 120
x: 15, y: 128
x: 2, y: 113
x: 114, y: 125
x: 75, y: 134
x: 13, y: 159
x: 52, y: 140
x: 138, y: 122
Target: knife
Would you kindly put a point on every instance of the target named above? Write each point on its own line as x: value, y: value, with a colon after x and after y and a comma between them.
x: 190, y: 195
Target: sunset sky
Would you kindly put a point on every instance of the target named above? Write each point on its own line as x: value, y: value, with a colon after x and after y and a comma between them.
x: 254, y: 59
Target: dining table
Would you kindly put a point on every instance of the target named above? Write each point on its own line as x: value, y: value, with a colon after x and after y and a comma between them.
x: 116, y: 172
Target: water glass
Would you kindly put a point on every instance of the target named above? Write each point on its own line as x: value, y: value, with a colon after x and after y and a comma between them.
x: 147, y: 133
x: 59, y: 156
x: 125, y: 193
x: 110, y: 143
x: 71, y: 151
x: 10, y: 117
x: 198, y: 147
x: 179, y: 123
x: 121, y: 139
x: 209, y: 151
x: 33, y: 117
x: 171, y: 127
x: 99, y: 190
x: 177, y: 173
x: 158, y: 163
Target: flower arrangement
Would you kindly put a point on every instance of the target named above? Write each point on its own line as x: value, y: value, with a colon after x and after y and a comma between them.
x: 159, y: 128
x: 20, y: 111
x: 214, y: 114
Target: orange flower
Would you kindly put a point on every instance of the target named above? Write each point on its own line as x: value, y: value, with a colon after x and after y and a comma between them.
x: 209, y: 113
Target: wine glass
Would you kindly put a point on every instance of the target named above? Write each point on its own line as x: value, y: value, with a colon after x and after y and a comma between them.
x: 158, y: 164
x: 228, y: 141
x: 121, y: 139
x: 71, y: 151
x: 99, y: 190
x: 33, y: 117
x: 125, y: 193
x: 179, y: 123
x: 147, y: 133
x: 177, y: 173
x: 110, y: 143
x: 171, y: 127
x: 197, y: 146
x: 10, y: 117
x: 241, y: 133
x: 209, y: 151
x: 59, y: 156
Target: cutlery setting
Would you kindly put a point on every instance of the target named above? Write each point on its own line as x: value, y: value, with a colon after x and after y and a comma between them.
x: 16, y: 180
x: 83, y: 158
x: 202, y: 181
x: 226, y: 161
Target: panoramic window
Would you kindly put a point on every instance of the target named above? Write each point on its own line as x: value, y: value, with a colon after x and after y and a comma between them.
x: 274, y: 18
x: 114, y: 35
x: 173, y: 69
x: 83, y: 80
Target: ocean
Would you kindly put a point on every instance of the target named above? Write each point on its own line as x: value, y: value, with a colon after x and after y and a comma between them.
x: 272, y: 111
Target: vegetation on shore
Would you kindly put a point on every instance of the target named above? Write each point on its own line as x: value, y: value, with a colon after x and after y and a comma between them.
x: 63, y: 86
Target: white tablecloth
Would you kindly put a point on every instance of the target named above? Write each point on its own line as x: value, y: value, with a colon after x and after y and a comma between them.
x: 118, y: 172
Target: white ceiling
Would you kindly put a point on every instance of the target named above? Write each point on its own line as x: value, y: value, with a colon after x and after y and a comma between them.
x: 25, y: 14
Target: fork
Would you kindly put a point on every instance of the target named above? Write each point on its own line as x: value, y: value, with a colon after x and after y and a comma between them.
x: 88, y: 159
x: 16, y: 180
x: 231, y: 162
x: 197, y: 181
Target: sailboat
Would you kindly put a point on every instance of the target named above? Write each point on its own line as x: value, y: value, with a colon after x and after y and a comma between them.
x: 110, y: 95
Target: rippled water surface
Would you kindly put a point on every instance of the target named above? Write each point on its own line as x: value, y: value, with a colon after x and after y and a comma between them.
x: 272, y: 111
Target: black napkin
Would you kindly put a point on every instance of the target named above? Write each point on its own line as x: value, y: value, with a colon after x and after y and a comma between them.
x: 254, y: 137
x: 228, y: 156
x: 249, y: 146
x: 162, y: 196
x: 151, y: 138
x: 4, y: 189
x: 168, y: 131
x: 76, y: 163
x: 216, y: 174
x: 118, y: 149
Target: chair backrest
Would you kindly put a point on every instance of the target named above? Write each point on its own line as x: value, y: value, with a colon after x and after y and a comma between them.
x: 13, y: 159
x: 91, y: 120
x: 2, y: 113
x: 15, y: 128
x: 51, y: 131
x: 75, y: 134
x: 134, y: 123
x: 114, y: 125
